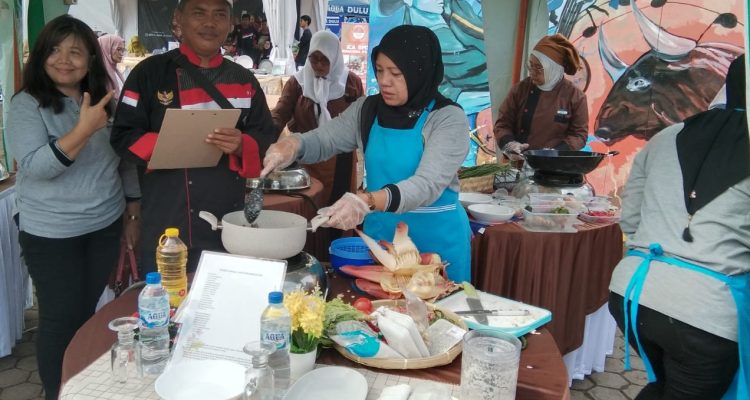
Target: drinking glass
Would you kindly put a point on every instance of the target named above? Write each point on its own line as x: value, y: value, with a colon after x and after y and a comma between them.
x: 259, y: 377
x: 123, y: 351
x: 489, y: 365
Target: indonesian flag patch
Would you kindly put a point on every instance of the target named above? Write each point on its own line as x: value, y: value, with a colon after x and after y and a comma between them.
x: 131, y: 98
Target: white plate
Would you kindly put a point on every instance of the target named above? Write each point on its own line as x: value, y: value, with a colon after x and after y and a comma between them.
x: 469, y: 198
x: 329, y: 383
x: 201, y: 380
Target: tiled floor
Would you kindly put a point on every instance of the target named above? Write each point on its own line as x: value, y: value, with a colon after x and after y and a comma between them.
x: 19, y: 379
x: 614, y: 383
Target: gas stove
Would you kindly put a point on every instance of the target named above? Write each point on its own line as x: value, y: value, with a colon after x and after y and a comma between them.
x: 303, y: 271
x: 553, y: 182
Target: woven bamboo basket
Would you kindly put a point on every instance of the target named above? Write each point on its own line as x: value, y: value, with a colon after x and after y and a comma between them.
x: 410, y: 363
x: 479, y: 184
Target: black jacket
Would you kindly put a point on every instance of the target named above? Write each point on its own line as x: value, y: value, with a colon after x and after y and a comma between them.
x: 173, y: 198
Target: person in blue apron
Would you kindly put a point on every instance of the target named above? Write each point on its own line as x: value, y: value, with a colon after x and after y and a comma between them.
x: 682, y: 293
x: 414, y: 141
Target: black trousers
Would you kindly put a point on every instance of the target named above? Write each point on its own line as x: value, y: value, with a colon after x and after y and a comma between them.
x: 689, y: 363
x: 69, y: 275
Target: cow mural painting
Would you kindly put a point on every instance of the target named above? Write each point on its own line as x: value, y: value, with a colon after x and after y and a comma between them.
x: 649, y: 64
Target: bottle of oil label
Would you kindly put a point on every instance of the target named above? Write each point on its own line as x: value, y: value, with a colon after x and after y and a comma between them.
x: 171, y: 261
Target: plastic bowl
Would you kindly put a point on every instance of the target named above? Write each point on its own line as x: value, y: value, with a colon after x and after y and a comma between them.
x: 469, y: 198
x: 550, y: 222
x: 491, y: 213
x: 599, y: 219
x: 349, y: 251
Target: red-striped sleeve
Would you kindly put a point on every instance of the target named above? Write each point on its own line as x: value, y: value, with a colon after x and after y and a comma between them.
x: 249, y: 165
x: 144, y: 146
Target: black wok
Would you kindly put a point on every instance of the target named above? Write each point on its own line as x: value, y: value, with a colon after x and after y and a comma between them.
x: 565, y: 161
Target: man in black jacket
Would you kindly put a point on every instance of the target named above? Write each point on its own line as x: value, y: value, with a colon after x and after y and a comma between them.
x: 304, y: 41
x: 173, y: 197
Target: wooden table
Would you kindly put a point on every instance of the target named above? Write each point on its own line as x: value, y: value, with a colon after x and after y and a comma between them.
x: 541, y: 376
x: 566, y: 273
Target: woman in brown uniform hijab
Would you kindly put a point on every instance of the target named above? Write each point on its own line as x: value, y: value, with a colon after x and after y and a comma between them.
x: 324, y: 80
x: 545, y: 110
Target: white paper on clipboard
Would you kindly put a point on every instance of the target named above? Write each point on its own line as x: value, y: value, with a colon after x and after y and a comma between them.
x: 182, y: 138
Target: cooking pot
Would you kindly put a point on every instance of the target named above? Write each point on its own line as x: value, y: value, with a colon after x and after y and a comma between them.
x: 565, y: 161
x: 275, y: 234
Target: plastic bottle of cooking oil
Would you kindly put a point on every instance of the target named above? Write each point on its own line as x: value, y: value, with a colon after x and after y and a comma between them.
x: 171, y: 261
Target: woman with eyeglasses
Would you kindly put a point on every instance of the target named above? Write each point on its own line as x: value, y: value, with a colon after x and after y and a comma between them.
x: 113, y: 50
x: 545, y: 110
x: 323, y: 89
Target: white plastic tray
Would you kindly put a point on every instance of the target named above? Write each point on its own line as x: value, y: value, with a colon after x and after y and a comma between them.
x: 517, y: 326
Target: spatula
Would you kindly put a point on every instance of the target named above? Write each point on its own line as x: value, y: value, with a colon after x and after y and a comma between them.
x: 254, y: 201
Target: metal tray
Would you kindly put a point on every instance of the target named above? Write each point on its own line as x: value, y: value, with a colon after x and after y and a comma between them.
x: 291, y: 179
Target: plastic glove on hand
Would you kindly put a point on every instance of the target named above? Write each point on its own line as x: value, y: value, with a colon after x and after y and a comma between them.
x: 348, y: 212
x: 514, y: 149
x: 280, y: 154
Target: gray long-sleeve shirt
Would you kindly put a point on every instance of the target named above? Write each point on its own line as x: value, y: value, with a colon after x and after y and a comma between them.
x: 56, y: 198
x: 654, y: 212
x: 445, y: 148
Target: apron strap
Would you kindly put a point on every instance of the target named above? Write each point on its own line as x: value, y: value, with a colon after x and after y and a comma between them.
x: 739, y: 286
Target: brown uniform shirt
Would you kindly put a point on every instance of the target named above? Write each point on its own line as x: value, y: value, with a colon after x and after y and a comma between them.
x: 299, y: 113
x: 559, y: 120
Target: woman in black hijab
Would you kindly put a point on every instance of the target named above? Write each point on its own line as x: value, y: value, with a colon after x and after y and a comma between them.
x: 414, y: 141
x: 685, y: 283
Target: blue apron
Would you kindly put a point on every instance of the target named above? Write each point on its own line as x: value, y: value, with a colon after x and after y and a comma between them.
x: 740, y: 288
x: 393, y: 155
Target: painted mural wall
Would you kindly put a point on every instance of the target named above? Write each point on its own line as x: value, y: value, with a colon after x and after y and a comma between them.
x: 458, y: 25
x: 648, y: 64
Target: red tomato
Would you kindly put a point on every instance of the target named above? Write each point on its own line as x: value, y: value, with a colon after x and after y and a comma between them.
x: 363, y: 304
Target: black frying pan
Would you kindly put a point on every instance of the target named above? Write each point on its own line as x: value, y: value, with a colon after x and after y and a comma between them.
x: 565, y: 161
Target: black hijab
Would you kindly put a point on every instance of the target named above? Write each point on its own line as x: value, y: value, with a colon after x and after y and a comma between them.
x: 713, y: 147
x: 416, y: 52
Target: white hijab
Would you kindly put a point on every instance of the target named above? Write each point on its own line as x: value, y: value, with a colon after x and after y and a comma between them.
x: 553, y: 72
x: 331, y: 87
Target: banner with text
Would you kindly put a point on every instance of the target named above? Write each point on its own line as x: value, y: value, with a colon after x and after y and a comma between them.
x: 354, y: 45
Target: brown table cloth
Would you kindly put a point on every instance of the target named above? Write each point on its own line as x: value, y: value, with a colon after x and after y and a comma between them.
x: 541, y: 376
x: 566, y: 273
x: 304, y: 203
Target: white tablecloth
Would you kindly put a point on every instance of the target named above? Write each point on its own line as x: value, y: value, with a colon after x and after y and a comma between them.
x: 598, y: 343
x: 15, y: 286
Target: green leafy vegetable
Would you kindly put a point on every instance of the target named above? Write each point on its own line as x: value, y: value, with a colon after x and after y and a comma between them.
x: 483, y: 170
x: 338, y: 311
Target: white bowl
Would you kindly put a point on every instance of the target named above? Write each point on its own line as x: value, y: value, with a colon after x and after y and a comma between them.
x: 469, y: 198
x: 202, y: 379
x: 491, y: 213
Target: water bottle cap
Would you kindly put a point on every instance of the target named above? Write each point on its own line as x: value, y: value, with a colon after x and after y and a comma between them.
x: 153, y: 278
x: 172, y: 232
x: 275, y: 297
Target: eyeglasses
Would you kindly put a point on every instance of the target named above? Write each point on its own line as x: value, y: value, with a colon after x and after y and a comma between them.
x: 120, y: 50
x: 535, y: 67
x: 316, y: 59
